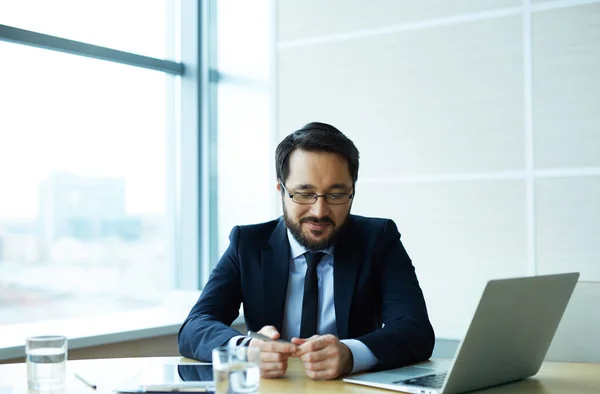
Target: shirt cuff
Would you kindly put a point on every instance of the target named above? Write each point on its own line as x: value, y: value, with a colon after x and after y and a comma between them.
x: 235, y: 341
x: 363, y: 357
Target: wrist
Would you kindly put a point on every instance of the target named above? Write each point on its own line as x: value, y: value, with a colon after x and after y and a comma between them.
x: 349, y: 363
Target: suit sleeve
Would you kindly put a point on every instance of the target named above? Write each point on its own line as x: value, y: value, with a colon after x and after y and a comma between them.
x: 208, y: 323
x: 407, y: 335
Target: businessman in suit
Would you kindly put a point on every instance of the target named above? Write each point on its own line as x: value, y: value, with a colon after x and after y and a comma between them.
x: 339, y: 287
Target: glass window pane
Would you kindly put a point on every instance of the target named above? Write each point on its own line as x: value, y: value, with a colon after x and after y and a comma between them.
x: 246, y: 159
x: 140, y: 26
x: 244, y: 32
x: 83, y: 185
x: 246, y: 151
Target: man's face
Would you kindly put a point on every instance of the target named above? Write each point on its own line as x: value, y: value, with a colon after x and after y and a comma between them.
x: 316, y: 226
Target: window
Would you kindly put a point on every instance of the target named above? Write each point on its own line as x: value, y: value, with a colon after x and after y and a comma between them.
x: 139, y: 26
x: 89, y: 157
x: 245, y: 137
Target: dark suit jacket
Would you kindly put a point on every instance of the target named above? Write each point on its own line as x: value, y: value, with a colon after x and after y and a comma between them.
x: 374, y: 285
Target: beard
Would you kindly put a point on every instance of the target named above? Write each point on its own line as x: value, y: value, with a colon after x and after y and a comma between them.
x: 304, y: 240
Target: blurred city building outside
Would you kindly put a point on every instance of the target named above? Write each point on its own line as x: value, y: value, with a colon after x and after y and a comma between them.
x: 82, y: 252
x: 87, y: 157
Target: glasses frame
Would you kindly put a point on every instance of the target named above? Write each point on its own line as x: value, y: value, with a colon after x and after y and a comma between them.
x: 316, y: 197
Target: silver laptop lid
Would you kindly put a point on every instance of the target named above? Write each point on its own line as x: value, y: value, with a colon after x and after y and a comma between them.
x: 511, y: 331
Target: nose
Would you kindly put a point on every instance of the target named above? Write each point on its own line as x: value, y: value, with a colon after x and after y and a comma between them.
x: 319, y: 208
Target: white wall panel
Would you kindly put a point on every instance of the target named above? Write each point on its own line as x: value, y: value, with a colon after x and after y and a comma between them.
x: 435, y: 107
x: 421, y: 102
x: 576, y: 339
x: 458, y: 234
x: 566, y: 87
x: 568, y: 226
x: 311, y: 18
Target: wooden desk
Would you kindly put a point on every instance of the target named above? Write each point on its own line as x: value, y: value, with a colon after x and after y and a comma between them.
x: 554, y: 378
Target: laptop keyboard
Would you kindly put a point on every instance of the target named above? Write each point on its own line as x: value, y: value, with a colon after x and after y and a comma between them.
x: 434, y: 380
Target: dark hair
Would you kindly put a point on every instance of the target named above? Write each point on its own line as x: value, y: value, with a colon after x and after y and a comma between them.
x: 316, y: 137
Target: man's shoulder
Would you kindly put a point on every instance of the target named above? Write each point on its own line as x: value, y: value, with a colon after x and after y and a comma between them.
x: 258, y: 232
x: 260, y: 227
x: 364, y: 223
x: 371, y: 233
x: 371, y: 229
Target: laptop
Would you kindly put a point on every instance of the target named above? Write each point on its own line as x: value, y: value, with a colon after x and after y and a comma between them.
x: 507, y: 340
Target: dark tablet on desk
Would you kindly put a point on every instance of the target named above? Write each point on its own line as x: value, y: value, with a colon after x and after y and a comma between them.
x: 195, y: 373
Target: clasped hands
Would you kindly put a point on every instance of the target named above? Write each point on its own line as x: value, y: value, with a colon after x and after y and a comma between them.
x: 324, y: 356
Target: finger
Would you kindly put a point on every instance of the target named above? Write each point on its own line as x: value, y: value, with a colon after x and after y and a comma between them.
x: 321, y: 375
x: 306, y: 339
x: 273, y: 370
x: 301, y: 341
x: 273, y: 357
x: 272, y: 374
x: 319, y: 355
x: 270, y: 331
x: 322, y: 365
x: 274, y: 366
x: 298, y: 341
x: 278, y: 347
x: 254, y: 342
x: 313, y: 345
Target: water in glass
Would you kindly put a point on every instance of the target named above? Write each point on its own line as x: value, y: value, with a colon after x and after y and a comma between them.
x: 46, y: 362
x: 241, y: 377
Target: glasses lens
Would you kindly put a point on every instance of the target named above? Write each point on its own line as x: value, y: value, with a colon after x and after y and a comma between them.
x: 304, y: 198
x: 331, y: 198
x: 337, y: 198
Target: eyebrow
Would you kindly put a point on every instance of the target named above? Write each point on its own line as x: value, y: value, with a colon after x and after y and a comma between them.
x: 307, y: 186
x: 340, y: 186
x: 304, y: 186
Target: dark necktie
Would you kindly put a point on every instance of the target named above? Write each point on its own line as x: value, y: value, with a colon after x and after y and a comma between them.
x: 310, y: 302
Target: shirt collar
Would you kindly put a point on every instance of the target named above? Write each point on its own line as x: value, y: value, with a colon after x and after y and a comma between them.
x: 298, y: 250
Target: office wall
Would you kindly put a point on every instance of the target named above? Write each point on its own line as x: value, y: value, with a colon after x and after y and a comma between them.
x: 478, y: 124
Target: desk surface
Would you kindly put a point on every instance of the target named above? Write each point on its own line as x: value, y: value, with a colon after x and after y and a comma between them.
x: 553, y: 378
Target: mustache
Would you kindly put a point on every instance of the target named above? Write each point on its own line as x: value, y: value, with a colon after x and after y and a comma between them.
x: 314, y: 219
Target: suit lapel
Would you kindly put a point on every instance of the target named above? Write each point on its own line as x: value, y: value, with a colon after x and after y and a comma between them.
x: 346, y: 262
x: 275, y: 271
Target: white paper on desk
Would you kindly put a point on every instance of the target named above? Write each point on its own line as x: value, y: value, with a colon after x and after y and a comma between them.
x: 133, y: 378
x: 182, y: 387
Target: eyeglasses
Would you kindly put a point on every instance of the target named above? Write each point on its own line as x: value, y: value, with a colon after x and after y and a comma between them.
x: 311, y: 198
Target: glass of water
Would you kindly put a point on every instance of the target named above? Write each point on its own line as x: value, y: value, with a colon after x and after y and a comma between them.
x: 46, y: 362
x: 236, y: 370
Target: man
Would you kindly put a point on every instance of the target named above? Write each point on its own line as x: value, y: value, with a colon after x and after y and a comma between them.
x: 341, y: 288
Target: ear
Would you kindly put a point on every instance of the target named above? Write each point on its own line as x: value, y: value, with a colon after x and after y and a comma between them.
x: 279, y: 186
